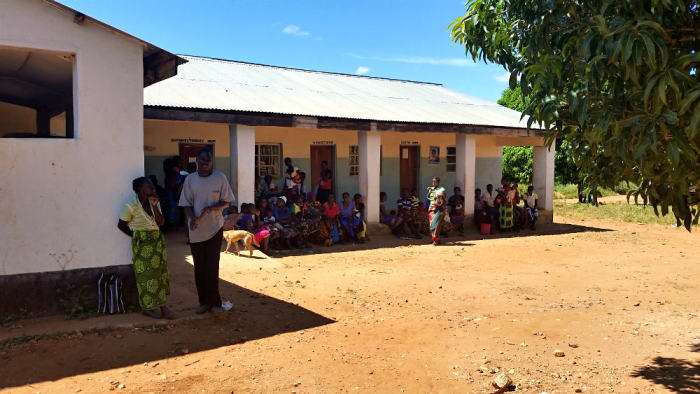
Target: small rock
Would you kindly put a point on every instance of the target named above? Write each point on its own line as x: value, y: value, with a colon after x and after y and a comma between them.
x: 502, y: 381
x: 578, y: 391
x: 558, y: 353
x: 121, y: 386
x: 484, y: 369
x: 573, y: 345
x: 184, y: 351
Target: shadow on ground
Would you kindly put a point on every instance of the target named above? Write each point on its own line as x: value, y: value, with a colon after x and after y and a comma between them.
x: 388, y: 240
x: 676, y: 375
x: 254, y: 316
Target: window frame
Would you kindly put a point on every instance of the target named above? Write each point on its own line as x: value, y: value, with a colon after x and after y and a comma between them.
x: 451, y: 165
x: 259, y: 164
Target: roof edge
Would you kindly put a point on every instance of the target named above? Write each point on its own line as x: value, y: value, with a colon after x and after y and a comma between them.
x: 159, y: 64
x: 310, y: 71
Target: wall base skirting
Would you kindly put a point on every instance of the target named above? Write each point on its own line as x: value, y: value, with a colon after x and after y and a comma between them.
x: 47, y: 293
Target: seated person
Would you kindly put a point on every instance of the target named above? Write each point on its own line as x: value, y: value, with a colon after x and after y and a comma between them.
x: 331, y: 210
x: 406, y: 213
x: 347, y: 209
x: 531, y: 206
x: 456, y: 198
x: 480, y: 213
x: 388, y: 218
x: 519, y: 215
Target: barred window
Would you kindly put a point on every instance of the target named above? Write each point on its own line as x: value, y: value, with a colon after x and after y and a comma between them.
x: 354, y: 160
x: 451, y: 159
x: 268, y: 159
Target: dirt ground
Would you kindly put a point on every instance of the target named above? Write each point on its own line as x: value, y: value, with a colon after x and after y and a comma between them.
x: 621, y: 301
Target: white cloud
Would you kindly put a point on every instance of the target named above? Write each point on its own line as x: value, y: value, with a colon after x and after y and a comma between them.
x: 441, y: 61
x: 502, y: 78
x: 294, y: 30
x: 362, y: 70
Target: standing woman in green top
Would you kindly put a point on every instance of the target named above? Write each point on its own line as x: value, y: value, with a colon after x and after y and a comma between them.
x: 140, y: 219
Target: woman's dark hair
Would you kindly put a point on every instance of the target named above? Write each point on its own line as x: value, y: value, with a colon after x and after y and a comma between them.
x: 356, y: 196
x: 137, y: 183
x: 346, y: 194
x: 381, y: 194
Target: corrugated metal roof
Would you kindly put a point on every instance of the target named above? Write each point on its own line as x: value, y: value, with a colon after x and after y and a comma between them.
x: 214, y: 84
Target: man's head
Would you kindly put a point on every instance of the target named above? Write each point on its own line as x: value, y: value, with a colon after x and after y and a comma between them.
x: 489, y: 188
x: 287, y: 161
x: 436, y: 181
x: 324, y: 165
x: 382, y: 196
x: 477, y: 193
x: 205, y: 162
x: 458, y: 191
x: 268, y: 179
x: 530, y: 189
x: 404, y: 193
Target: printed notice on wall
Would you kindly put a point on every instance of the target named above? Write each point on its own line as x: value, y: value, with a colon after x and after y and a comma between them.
x: 192, y: 140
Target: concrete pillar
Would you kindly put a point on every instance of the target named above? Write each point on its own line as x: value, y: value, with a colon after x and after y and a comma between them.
x: 543, y: 176
x: 465, y: 172
x: 242, y: 140
x: 369, y: 144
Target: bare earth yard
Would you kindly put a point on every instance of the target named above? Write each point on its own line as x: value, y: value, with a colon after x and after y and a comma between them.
x: 620, y: 300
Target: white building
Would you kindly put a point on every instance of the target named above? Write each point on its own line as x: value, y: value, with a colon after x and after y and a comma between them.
x: 71, y: 141
x: 73, y: 136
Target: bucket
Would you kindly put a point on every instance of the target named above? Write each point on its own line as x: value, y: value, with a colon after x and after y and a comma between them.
x: 485, y: 228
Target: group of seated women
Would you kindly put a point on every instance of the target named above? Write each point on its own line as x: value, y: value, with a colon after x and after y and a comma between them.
x: 281, y: 222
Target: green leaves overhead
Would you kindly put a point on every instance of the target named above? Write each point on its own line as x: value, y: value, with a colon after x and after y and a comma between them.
x: 616, y: 78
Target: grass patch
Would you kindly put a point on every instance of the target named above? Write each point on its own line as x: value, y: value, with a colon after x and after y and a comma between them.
x: 571, y: 191
x: 620, y: 212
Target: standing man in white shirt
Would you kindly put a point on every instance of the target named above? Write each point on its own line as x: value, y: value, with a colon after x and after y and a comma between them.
x: 205, y: 195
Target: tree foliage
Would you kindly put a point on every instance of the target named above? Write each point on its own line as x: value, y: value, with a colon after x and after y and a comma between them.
x: 517, y: 164
x: 617, y: 79
x: 565, y: 170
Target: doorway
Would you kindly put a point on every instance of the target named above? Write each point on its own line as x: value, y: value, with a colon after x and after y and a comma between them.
x: 188, y: 153
x: 320, y: 153
x: 410, y: 161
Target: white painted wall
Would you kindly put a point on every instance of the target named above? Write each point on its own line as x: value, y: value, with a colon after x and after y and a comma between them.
x: 242, y: 150
x: 60, y: 198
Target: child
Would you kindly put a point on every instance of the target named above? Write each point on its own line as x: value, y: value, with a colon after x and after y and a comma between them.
x: 531, y: 206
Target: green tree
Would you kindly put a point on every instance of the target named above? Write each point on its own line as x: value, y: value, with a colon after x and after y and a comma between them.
x: 515, y: 160
x: 513, y: 99
x: 617, y: 79
x: 517, y: 164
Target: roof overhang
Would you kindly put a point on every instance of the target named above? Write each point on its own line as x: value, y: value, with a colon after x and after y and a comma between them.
x: 321, y: 122
x: 158, y: 64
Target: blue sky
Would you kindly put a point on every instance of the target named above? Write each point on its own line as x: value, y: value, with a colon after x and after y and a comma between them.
x: 404, y: 39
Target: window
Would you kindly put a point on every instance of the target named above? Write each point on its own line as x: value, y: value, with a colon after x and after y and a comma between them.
x: 354, y: 160
x: 268, y: 159
x: 36, y: 93
x: 451, y: 159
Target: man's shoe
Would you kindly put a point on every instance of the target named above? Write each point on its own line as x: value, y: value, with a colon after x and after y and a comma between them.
x: 216, y: 310
x: 202, y: 309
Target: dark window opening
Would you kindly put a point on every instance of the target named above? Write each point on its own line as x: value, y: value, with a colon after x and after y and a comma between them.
x: 36, y: 93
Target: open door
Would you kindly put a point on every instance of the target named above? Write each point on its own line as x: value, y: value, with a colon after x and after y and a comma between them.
x: 410, y: 161
x: 320, y: 153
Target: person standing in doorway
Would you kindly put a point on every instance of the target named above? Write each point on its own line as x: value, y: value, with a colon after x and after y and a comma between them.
x: 325, y: 184
x: 205, y: 195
